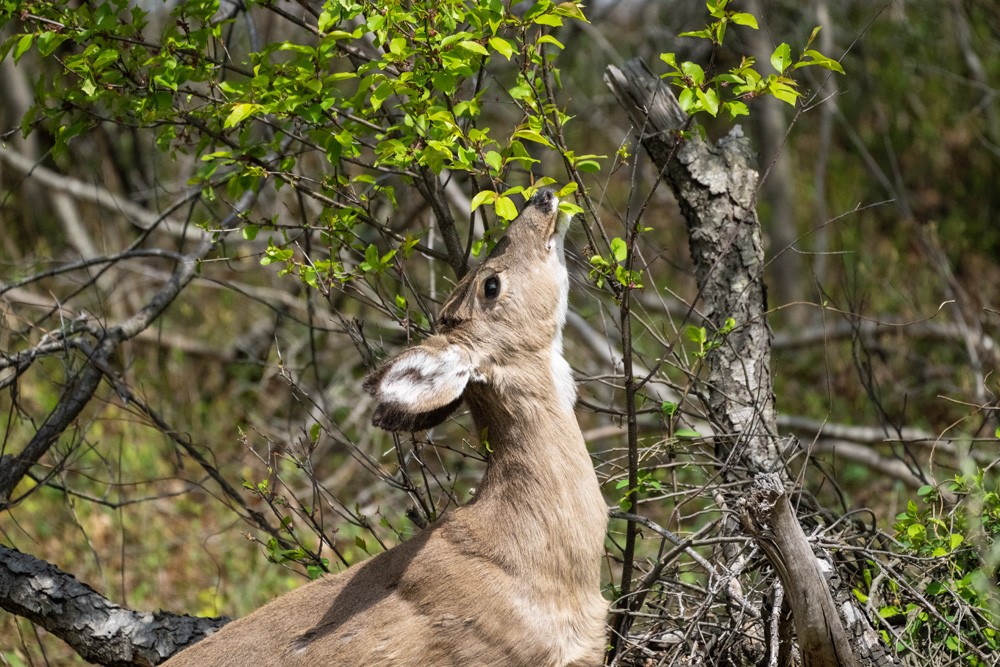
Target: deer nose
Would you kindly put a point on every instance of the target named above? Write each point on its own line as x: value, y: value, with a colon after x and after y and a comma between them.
x: 545, y: 199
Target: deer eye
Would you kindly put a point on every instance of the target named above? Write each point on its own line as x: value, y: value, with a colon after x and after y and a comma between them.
x: 491, y: 287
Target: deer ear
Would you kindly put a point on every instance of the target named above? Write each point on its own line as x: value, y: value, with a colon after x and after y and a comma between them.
x: 420, y: 387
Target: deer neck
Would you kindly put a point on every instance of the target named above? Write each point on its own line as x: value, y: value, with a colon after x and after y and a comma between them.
x: 539, y: 485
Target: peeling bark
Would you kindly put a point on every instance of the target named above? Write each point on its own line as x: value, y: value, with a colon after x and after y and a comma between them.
x: 99, y: 630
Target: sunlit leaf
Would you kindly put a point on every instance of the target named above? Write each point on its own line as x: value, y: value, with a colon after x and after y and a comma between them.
x: 505, y: 208
x: 549, y: 39
x: 531, y: 135
x: 742, y: 18
x: 475, y: 47
x: 502, y: 46
x: 549, y: 20
x: 572, y: 10
x: 694, y: 71
x: 240, y: 112
x: 23, y: 45
x: 781, y: 58
x: 483, y: 197
x: 709, y: 99
x: 619, y: 250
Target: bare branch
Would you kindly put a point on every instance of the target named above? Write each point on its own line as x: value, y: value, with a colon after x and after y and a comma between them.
x: 91, y: 192
x: 82, y: 386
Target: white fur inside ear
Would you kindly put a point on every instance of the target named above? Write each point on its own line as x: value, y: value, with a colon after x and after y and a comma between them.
x: 422, y: 379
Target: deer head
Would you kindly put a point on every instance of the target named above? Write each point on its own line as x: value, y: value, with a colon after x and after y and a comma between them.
x: 500, y: 331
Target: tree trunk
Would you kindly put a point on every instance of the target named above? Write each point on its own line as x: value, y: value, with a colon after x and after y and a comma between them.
x: 716, y: 189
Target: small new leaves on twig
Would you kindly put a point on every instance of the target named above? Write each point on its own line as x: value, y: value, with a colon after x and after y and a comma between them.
x: 728, y: 91
x: 614, y: 266
x: 699, y: 336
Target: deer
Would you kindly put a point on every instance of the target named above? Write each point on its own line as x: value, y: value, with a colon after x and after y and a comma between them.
x: 512, y: 577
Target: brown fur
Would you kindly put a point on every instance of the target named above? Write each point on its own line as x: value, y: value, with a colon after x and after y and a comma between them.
x: 513, y: 577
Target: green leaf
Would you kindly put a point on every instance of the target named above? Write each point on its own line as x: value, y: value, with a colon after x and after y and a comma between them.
x: 572, y: 10
x: 569, y: 208
x: 709, y: 100
x: 371, y: 255
x: 694, y: 71
x: 812, y: 35
x: 717, y: 8
x: 686, y: 434
x: 505, y: 208
x: 742, y: 18
x: 668, y: 409
x: 568, y: 189
x: 494, y: 160
x: 818, y: 59
x: 688, y: 101
x: 698, y: 34
x: 736, y: 108
x: 549, y: 39
x: 502, y: 46
x: 781, y: 58
x: 240, y: 112
x: 250, y: 232
x: 782, y: 89
x: 49, y: 41
x: 696, y: 334
x: 531, y: 135
x: 397, y: 46
x: 380, y: 94
x: 935, y: 588
x: 23, y: 45
x: 549, y: 20
x: 623, y: 276
x: 618, y: 249
x: 314, y: 571
x: 483, y: 197
x: 475, y: 47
